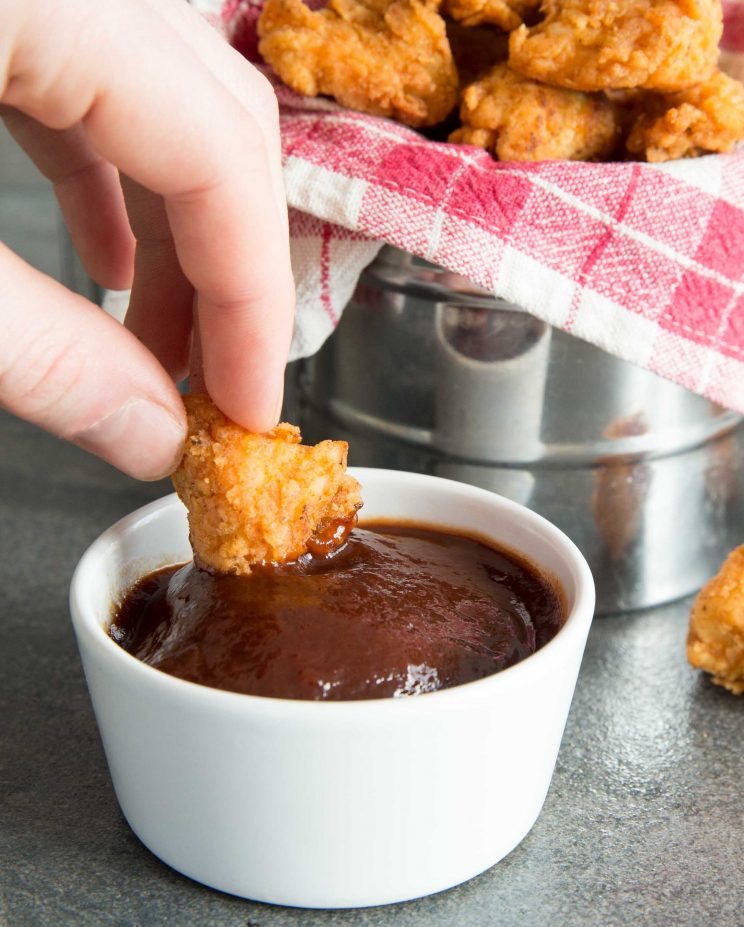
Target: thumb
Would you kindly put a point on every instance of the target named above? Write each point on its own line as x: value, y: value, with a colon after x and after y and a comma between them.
x: 67, y: 366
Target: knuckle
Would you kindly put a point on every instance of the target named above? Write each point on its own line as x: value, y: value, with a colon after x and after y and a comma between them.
x: 36, y: 383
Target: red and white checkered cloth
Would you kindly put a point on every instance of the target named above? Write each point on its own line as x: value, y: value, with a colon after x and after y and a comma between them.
x: 645, y: 261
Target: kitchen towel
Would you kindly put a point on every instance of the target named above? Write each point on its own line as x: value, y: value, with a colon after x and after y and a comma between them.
x: 645, y: 261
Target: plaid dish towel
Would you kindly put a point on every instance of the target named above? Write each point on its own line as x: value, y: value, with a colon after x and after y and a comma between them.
x: 645, y: 261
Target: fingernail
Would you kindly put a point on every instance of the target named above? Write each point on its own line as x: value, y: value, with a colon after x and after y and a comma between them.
x: 141, y: 438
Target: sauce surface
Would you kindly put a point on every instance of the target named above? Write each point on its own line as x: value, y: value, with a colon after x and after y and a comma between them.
x: 398, y: 610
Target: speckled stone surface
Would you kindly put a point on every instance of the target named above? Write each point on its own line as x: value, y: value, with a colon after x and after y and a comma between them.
x: 643, y: 824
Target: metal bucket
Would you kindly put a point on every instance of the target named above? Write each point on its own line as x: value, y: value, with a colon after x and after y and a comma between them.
x: 428, y: 373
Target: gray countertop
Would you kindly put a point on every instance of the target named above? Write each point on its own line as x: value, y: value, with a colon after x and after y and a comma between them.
x: 643, y: 824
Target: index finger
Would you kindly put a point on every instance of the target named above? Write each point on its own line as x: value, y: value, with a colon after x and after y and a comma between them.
x: 172, y: 126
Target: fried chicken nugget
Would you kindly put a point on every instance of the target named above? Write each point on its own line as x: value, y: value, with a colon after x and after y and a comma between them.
x: 664, y: 45
x: 385, y: 57
x: 706, y: 118
x: 259, y: 498
x: 715, y: 641
x: 506, y: 14
x: 522, y: 120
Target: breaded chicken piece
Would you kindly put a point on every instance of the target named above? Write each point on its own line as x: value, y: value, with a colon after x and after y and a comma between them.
x: 664, y: 45
x: 476, y: 49
x: 256, y: 498
x: 385, y: 57
x: 506, y: 14
x: 708, y: 117
x: 522, y: 120
x: 715, y: 642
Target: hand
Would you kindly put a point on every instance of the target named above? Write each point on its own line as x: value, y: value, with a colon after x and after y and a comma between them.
x: 143, y: 96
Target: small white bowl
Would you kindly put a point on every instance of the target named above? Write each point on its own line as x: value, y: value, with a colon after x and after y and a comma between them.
x: 332, y: 804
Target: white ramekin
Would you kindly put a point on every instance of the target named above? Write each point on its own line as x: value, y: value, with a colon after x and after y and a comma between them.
x: 331, y: 804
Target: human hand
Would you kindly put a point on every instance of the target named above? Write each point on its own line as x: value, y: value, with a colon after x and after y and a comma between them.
x: 146, y: 93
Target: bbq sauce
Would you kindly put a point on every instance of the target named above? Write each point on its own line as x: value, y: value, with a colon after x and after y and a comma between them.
x: 399, y: 610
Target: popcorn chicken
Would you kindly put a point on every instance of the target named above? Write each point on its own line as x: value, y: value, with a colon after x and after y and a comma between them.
x: 260, y: 498
x: 385, y: 57
x: 708, y: 117
x: 664, y: 45
x: 522, y: 120
x: 715, y: 641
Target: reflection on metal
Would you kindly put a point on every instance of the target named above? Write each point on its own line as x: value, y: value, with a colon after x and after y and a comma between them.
x: 428, y: 373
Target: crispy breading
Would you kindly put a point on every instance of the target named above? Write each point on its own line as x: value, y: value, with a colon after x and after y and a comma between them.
x: 664, y: 45
x: 506, y: 14
x: 385, y: 57
x: 715, y: 641
x: 522, y: 120
x: 708, y: 117
x: 258, y: 498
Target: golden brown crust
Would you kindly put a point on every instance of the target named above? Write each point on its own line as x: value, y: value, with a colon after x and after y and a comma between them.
x: 506, y: 14
x: 257, y: 498
x: 591, y: 76
x: 385, y: 57
x: 522, y: 120
x: 664, y: 45
x: 715, y: 642
x: 708, y: 117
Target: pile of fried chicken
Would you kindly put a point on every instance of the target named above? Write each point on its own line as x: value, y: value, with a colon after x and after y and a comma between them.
x: 535, y: 79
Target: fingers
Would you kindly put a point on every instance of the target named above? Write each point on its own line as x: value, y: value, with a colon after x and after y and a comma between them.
x: 161, y: 302
x: 89, y: 196
x: 219, y: 369
x: 172, y: 126
x: 236, y: 74
x: 78, y: 373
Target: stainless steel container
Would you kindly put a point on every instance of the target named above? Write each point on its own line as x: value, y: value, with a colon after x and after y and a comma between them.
x: 428, y: 373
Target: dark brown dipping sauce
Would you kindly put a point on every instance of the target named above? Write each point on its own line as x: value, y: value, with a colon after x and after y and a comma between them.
x: 399, y: 610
